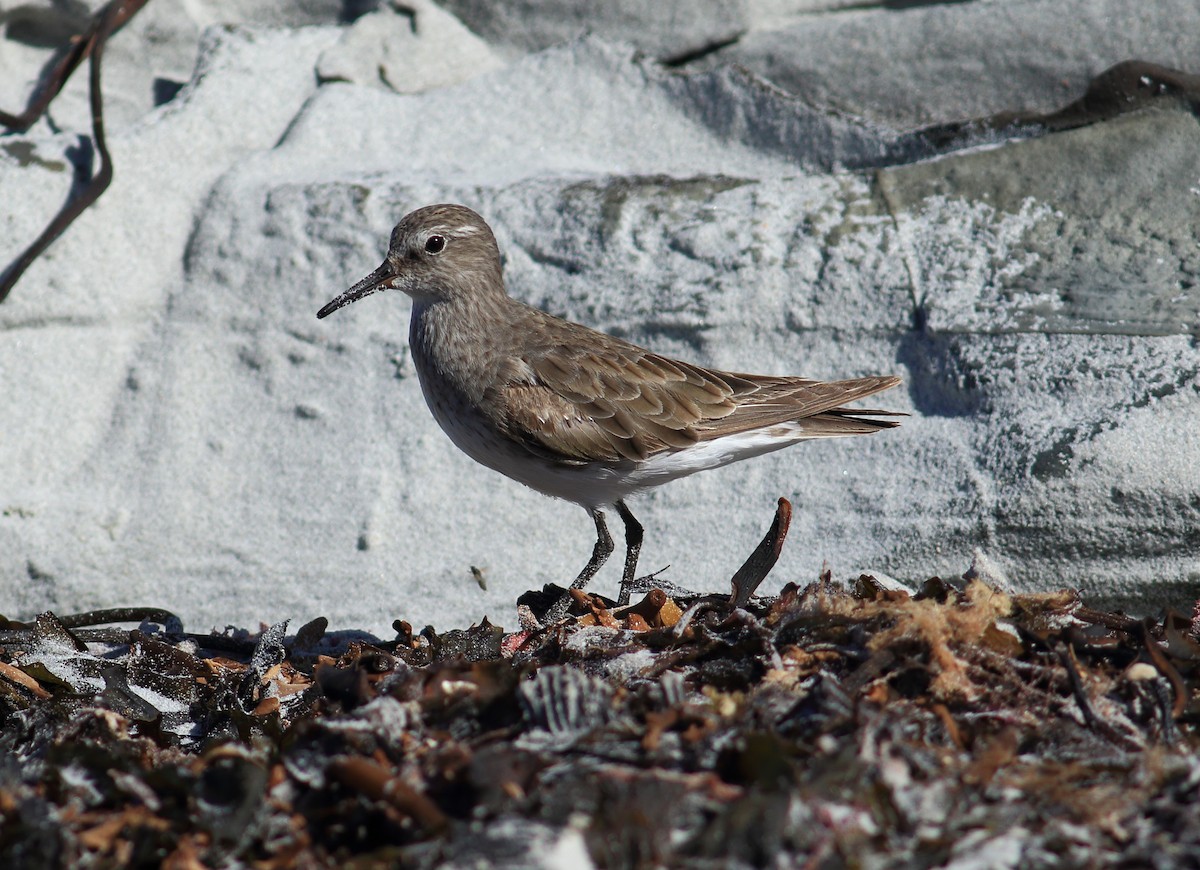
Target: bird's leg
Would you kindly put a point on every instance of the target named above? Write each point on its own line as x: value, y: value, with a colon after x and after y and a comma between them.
x: 600, y: 554
x: 633, y: 547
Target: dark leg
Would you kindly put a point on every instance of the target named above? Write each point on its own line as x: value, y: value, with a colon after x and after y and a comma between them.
x: 633, y: 546
x: 600, y: 554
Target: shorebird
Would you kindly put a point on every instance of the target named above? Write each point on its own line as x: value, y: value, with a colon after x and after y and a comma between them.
x: 572, y: 412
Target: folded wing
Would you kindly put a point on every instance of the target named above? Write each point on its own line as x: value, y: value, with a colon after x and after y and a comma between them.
x: 621, y: 402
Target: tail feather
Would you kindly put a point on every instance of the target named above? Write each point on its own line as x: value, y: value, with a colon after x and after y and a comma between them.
x: 846, y: 421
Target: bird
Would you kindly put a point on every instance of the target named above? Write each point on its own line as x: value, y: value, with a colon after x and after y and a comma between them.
x: 572, y: 412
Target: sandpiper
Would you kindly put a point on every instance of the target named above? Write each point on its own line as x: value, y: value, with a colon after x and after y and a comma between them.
x: 572, y: 412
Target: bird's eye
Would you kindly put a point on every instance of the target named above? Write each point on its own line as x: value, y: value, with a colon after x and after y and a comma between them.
x: 435, y: 244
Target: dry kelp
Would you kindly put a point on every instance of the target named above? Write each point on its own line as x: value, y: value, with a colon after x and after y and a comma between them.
x: 89, y: 44
x: 821, y: 727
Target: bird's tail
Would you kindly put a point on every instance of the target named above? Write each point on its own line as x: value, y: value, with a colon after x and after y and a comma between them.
x: 848, y: 421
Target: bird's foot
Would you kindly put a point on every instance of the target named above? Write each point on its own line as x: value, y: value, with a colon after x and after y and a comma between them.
x: 647, y: 582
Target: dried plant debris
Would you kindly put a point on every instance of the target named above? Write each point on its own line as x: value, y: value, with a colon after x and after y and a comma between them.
x: 89, y: 44
x: 820, y: 727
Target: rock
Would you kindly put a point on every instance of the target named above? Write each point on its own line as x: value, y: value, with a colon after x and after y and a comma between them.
x: 670, y: 31
x: 183, y: 432
x: 409, y: 49
x: 908, y: 67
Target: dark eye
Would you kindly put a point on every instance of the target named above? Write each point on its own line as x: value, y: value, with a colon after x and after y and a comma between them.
x: 435, y: 244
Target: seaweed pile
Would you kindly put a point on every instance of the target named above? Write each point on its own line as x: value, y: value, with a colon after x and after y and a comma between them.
x: 822, y: 727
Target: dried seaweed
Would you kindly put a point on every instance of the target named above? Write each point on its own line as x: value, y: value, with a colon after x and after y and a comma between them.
x: 87, y: 45
x: 822, y: 726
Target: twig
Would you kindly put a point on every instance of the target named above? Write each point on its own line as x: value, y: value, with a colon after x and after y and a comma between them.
x: 1167, y: 670
x: 764, y: 557
x: 90, y: 44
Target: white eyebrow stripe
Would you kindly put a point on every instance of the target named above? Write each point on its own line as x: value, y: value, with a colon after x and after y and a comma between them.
x: 457, y: 231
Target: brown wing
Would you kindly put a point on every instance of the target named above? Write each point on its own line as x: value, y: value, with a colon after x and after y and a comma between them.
x: 591, y: 397
x: 612, y: 403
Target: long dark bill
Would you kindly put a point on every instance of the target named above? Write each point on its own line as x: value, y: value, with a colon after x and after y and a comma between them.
x: 377, y: 280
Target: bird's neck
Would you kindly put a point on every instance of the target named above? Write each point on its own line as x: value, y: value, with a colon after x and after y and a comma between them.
x: 461, y: 342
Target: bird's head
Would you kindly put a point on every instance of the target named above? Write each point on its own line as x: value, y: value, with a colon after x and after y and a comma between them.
x: 437, y: 253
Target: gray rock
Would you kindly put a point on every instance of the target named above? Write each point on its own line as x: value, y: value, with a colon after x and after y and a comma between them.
x: 183, y: 432
x: 669, y: 31
x: 952, y: 61
x: 1094, y: 260
x: 408, y: 50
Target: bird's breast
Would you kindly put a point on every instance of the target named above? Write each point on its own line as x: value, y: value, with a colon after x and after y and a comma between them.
x: 454, y: 378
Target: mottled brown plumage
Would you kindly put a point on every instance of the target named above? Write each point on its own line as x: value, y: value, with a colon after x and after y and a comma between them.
x: 570, y: 411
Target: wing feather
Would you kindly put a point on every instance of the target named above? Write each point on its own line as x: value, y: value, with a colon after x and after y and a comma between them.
x: 594, y: 398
